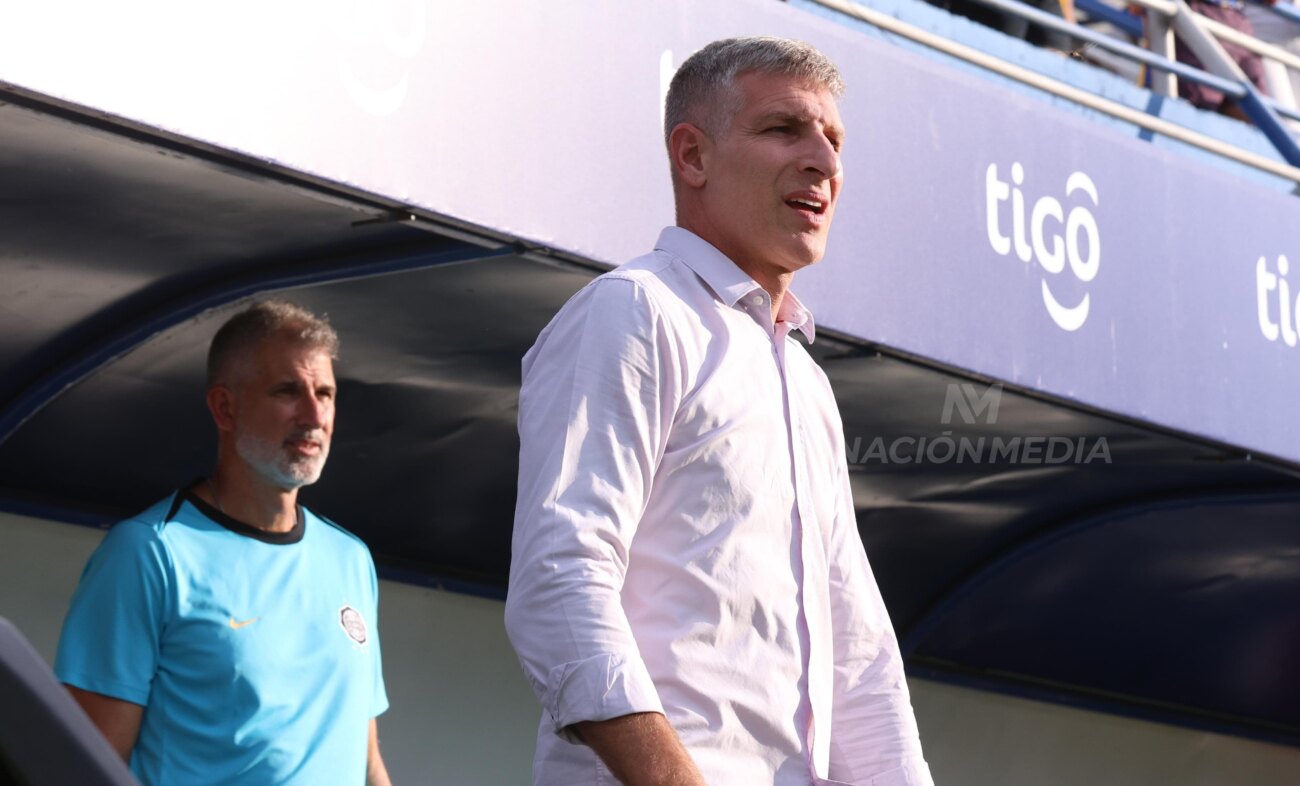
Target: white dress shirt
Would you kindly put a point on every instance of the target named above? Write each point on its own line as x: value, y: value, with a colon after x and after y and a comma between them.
x: 685, y: 540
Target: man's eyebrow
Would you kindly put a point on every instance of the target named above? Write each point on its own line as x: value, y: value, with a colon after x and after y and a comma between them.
x: 799, y: 117
x: 785, y: 116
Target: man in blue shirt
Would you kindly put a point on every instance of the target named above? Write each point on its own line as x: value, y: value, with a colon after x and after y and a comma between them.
x: 226, y: 635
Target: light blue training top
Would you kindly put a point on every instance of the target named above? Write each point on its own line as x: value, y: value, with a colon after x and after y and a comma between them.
x: 254, y: 654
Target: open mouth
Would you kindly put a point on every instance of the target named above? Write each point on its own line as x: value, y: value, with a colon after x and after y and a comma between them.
x: 814, y: 206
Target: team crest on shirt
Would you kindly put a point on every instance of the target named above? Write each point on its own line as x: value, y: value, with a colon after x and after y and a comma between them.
x: 353, y: 624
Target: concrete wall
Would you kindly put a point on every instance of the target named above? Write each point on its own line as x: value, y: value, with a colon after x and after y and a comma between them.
x: 462, y: 713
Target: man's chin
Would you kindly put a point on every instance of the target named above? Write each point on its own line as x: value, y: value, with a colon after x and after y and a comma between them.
x: 306, y: 478
x: 813, y: 249
x: 296, y: 475
x: 802, y: 251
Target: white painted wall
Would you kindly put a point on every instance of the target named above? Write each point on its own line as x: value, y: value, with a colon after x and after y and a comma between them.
x: 462, y: 714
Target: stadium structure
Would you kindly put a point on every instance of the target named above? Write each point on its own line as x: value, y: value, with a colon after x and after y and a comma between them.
x: 1059, y: 309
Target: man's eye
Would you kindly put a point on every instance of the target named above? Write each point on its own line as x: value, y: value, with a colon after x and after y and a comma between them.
x: 778, y: 129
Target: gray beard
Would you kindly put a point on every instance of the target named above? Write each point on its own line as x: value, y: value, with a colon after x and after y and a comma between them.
x: 270, y: 460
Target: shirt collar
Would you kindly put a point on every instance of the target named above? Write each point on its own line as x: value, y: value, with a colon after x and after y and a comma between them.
x: 728, y: 282
x: 794, y: 312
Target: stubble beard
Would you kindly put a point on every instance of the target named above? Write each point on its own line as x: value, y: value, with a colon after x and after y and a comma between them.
x: 272, y: 461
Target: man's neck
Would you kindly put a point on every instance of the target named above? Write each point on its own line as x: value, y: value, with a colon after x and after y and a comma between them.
x: 774, y: 281
x: 240, y: 493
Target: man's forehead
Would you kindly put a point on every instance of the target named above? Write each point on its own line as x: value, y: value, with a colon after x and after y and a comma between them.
x: 281, y: 354
x: 764, y: 93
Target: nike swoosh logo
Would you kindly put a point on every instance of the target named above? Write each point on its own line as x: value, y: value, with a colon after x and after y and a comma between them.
x: 237, y: 625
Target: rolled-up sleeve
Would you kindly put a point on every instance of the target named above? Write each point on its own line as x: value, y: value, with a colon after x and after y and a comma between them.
x: 596, y: 402
x: 874, y: 738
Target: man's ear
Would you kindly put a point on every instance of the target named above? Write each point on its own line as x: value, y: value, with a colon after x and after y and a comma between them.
x: 689, y: 152
x: 221, y: 403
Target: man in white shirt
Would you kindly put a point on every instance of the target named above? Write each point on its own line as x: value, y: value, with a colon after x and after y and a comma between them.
x: 689, y: 595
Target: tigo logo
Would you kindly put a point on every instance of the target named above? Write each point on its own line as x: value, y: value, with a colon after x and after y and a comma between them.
x: 1047, y: 235
x: 1266, y: 283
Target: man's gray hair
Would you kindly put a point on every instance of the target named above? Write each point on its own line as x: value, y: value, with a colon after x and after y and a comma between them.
x: 261, y: 321
x: 702, y: 91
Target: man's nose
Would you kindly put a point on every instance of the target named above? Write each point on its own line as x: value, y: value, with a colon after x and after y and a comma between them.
x: 822, y: 157
x: 313, y: 411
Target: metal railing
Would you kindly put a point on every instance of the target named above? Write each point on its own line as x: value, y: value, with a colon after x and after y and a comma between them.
x: 1200, y: 34
x: 1165, y: 19
x: 1155, y: 60
x: 1161, y: 34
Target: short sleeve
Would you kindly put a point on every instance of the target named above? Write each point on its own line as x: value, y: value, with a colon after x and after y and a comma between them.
x: 379, y: 701
x: 111, y: 636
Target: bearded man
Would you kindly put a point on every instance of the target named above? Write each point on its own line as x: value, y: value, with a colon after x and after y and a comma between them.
x: 226, y: 634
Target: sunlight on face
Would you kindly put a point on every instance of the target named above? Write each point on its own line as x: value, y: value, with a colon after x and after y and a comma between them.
x: 285, y: 413
x: 775, y: 174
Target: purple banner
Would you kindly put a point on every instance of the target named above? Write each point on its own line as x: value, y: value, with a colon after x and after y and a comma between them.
x: 1002, y: 235
x: 986, y: 229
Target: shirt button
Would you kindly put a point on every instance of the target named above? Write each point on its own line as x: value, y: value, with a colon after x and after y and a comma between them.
x: 756, y: 300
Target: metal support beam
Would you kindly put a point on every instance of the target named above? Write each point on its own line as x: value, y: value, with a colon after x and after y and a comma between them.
x: 1058, y: 88
x: 1162, y: 63
x: 1130, y: 24
x: 1217, y: 60
x: 1225, y: 85
x: 1160, y: 39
